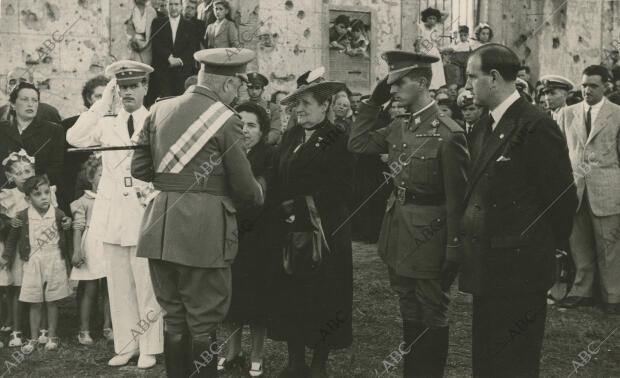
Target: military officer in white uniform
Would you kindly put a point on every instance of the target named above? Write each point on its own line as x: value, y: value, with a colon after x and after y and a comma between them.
x: 555, y: 90
x: 117, y: 213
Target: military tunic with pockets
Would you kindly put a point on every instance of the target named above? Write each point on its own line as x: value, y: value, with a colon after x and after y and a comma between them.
x: 275, y: 126
x: 428, y: 161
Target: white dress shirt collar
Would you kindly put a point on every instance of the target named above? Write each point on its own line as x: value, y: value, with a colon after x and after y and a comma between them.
x: 174, y: 25
x: 499, y: 111
x: 596, y: 108
x: 138, y: 117
x: 34, y: 214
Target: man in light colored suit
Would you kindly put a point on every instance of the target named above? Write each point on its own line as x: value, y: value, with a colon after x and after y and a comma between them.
x: 136, y: 316
x: 592, y: 130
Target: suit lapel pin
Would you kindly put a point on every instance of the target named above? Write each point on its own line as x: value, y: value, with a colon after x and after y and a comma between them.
x: 501, y: 136
x: 418, y: 120
x: 435, y: 123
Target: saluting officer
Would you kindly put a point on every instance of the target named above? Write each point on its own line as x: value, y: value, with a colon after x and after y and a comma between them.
x: 256, y: 86
x: 419, y: 238
x: 555, y: 90
x: 117, y: 213
x: 197, y: 162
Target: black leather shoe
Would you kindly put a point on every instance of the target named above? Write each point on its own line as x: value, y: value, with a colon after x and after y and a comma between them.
x: 612, y: 308
x: 177, y: 352
x: 204, y: 360
x: 573, y: 302
x: 223, y: 364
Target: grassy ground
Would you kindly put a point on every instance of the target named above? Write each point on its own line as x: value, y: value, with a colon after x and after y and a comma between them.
x: 377, y: 332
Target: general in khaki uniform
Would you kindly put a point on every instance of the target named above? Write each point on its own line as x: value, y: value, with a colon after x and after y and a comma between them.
x: 428, y: 160
x: 256, y: 87
x: 195, y: 159
x: 117, y: 212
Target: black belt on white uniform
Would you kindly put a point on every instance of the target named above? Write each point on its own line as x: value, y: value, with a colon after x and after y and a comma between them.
x: 423, y: 199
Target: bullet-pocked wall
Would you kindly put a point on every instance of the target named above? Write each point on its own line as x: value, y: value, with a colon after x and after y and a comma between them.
x: 66, y: 42
x: 294, y: 37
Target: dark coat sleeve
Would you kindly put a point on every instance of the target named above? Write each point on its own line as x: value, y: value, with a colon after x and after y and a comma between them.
x: 455, y: 164
x: 142, y: 161
x: 160, y: 50
x: 550, y: 163
x: 57, y: 154
x: 10, y: 246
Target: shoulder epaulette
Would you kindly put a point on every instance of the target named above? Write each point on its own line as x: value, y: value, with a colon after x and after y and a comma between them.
x: 450, y: 123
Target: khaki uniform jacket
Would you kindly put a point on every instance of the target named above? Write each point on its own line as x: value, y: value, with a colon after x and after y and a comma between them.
x: 427, y: 155
x: 190, y: 227
x: 595, y: 158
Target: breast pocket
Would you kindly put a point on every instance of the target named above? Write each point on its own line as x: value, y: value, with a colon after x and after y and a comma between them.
x: 424, y: 164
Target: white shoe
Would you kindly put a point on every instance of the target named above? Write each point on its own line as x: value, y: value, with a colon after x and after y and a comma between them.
x: 121, y: 359
x: 52, y: 343
x: 16, y: 339
x: 43, y: 339
x: 29, y: 347
x: 84, y: 338
x: 146, y: 361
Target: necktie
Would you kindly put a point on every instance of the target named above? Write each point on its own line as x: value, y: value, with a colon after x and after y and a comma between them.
x: 130, y: 125
x: 589, y: 121
x: 488, y: 130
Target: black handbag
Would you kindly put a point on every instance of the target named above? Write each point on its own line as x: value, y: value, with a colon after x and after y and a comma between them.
x: 303, y: 251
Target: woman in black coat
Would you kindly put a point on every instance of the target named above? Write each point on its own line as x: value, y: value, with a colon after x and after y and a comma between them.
x: 45, y: 141
x: 312, y: 310
x: 250, y: 269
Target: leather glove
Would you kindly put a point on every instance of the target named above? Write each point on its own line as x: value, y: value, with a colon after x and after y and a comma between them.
x: 449, y: 271
x: 381, y: 94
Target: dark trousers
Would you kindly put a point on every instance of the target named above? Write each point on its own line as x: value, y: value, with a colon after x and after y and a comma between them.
x: 508, y: 334
x: 196, y: 300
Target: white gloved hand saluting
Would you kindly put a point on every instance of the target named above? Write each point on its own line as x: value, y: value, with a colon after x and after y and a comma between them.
x: 108, y: 98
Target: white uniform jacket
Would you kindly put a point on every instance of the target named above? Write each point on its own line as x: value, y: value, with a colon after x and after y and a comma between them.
x: 117, y: 212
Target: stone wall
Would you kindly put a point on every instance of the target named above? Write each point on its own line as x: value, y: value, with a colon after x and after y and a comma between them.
x: 66, y: 42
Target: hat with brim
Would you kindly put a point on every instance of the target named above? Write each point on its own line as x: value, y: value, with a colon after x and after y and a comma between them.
x: 224, y: 61
x: 551, y: 82
x: 128, y: 72
x: 325, y: 88
x: 311, y: 76
x: 400, y: 63
x: 255, y: 79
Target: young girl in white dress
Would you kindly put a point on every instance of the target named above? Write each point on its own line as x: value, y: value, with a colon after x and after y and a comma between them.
x: 18, y: 167
x: 429, y: 37
x: 88, y: 260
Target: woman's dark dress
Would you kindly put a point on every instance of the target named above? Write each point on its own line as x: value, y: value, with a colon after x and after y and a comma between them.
x: 320, y: 307
x: 251, y: 269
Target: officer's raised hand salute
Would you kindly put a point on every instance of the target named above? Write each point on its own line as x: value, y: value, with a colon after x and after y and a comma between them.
x: 420, y: 236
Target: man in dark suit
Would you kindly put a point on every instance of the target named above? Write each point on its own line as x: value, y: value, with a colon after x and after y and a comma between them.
x: 175, y: 40
x: 520, y: 203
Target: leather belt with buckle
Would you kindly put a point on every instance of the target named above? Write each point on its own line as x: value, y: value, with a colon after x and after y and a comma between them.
x: 424, y: 199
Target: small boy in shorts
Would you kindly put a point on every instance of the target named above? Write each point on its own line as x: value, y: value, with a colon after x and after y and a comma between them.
x: 43, y: 246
